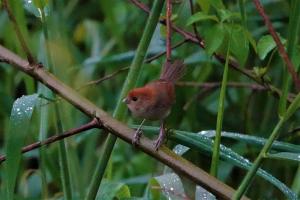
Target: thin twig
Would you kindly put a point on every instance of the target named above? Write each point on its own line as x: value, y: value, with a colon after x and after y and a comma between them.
x: 124, y: 69
x: 169, y: 31
x: 109, y: 76
x: 18, y: 32
x: 194, y: 24
x: 281, y: 49
x: 218, y: 84
x: 92, y: 124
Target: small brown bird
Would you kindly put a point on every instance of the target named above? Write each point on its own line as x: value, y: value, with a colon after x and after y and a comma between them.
x: 155, y: 99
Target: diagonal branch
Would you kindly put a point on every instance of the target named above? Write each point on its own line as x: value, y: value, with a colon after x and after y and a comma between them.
x: 281, y: 50
x: 92, y: 124
x: 164, y: 155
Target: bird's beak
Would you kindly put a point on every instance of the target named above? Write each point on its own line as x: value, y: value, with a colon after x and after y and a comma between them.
x: 125, y: 100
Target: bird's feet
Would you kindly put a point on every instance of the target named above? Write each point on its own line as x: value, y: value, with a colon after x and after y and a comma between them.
x: 137, y: 136
x: 161, y: 137
x: 158, y: 142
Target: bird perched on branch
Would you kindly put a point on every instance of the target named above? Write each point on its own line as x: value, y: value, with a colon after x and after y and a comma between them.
x: 154, y: 100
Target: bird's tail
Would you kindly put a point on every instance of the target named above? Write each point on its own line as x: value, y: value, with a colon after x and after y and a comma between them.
x: 173, y: 72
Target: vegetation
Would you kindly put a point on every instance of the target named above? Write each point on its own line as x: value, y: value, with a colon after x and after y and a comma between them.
x: 65, y: 67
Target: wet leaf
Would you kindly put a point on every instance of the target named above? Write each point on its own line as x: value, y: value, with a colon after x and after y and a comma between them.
x: 111, y: 190
x: 18, y: 126
x: 171, y: 186
x: 201, y: 194
x: 285, y: 156
x: 214, y: 38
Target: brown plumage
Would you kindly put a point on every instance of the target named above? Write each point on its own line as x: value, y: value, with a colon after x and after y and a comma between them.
x: 155, y: 99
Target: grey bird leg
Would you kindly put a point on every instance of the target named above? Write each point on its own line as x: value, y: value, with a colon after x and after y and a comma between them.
x: 159, y: 141
x: 137, y: 134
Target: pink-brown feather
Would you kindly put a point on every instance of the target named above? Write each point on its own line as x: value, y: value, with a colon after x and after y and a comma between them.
x: 155, y: 99
x: 172, y: 72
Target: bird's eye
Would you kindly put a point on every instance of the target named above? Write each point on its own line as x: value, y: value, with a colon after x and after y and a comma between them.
x: 134, y: 98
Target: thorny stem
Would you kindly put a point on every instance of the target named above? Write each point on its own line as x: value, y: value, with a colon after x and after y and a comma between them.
x: 164, y: 155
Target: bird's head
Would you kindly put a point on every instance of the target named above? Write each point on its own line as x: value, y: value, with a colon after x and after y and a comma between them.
x: 138, y: 100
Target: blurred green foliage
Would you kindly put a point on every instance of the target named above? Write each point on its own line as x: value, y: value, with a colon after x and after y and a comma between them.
x: 91, y: 39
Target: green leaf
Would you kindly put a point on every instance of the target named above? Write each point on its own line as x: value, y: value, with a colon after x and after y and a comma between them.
x: 239, y: 43
x: 260, y: 71
x: 265, y: 45
x: 154, y: 192
x: 117, y: 58
x: 214, y: 37
x: 170, y: 185
x: 254, y: 140
x: 204, y: 5
x: 201, y: 16
x: 251, y: 40
x: 35, y: 7
x: 111, y: 190
x: 202, y: 143
x: 40, y: 3
x: 294, y: 106
x: 18, y: 127
x: 201, y: 194
x: 285, y: 156
x: 217, y: 4
x: 123, y: 192
x: 228, y: 16
x: 296, y: 58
